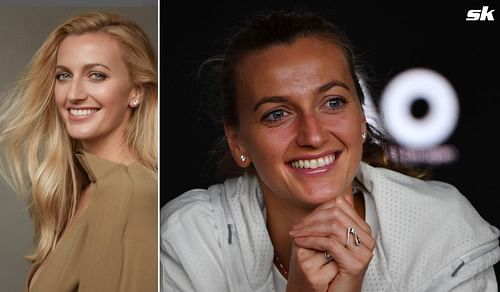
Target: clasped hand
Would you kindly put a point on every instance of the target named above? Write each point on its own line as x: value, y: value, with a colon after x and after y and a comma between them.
x: 326, y: 230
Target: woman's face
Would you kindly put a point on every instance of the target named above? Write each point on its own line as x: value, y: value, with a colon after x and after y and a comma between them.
x: 93, y: 91
x: 300, y: 121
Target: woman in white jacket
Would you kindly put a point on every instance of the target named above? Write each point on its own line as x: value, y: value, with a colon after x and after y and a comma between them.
x: 320, y: 207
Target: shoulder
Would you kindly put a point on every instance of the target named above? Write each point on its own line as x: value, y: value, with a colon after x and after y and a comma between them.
x: 393, y: 189
x: 144, y: 182
x: 125, y: 180
x: 193, y: 212
x: 126, y: 198
x: 424, y: 202
x: 191, y: 225
x: 190, y: 242
x: 133, y: 182
x: 201, y: 206
x: 429, y: 224
x: 203, y: 234
x: 186, y: 207
x: 202, y: 213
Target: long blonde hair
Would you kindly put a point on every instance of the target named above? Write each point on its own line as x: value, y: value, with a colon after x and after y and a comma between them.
x: 37, y: 152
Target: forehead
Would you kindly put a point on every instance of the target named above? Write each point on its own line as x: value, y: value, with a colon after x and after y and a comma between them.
x: 95, y: 47
x: 305, y: 63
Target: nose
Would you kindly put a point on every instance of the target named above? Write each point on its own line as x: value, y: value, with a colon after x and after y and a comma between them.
x: 312, y: 132
x: 76, y: 91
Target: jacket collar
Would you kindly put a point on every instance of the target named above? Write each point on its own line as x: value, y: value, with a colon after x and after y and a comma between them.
x: 94, y: 166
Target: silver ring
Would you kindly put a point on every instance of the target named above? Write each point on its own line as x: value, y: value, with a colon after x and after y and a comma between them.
x: 328, y: 257
x: 357, y: 241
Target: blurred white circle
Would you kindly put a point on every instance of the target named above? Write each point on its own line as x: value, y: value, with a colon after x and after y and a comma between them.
x: 442, y: 114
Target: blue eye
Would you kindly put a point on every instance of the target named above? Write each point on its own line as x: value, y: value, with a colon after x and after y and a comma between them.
x: 98, y: 76
x: 63, y: 76
x: 275, y: 115
x: 335, y: 103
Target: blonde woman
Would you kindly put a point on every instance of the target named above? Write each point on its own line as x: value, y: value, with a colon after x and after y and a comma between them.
x: 78, y: 135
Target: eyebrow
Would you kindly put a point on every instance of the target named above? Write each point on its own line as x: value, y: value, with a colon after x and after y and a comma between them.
x: 85, y: 67
x: 269, y: 99
x: 277, y: 99
x: 327, y: 86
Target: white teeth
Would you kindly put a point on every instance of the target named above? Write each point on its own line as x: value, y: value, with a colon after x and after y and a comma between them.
x: 82, y: 112
x: 321, y: 162
x: 314, y: 163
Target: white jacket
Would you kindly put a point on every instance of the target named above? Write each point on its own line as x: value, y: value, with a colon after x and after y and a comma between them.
x: 428, y: 238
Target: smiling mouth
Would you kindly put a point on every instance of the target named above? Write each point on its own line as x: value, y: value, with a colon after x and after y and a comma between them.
x: 82, y: 112
x: 314, y: 163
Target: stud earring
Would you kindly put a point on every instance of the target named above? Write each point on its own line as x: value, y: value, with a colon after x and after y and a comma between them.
x: 243, y: 158
x: 135, y: 103
x: 363, y: 136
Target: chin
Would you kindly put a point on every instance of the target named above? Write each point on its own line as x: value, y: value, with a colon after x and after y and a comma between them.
x: 80, y: 136
x: 316, y: 199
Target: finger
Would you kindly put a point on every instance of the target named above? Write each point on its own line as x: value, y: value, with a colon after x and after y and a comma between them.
x: 313, y: 265
x: 322, y: 215
x: 343, y: 256
x: 310, y: 262
x: 333, y: 222
x: 349, y: 209
x: 324, y: 210
x: 334, y: 202
x: 324, y: 223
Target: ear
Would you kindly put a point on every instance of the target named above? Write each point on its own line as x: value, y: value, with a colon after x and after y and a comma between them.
x: 238, y: 151
x: 136, y: 97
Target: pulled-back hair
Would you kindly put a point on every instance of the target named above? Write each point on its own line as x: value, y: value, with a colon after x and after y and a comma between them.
x: 37, y: 151
x: 285, y: 27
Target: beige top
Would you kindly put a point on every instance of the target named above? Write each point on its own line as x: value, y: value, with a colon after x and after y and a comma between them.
x: 113, y: 245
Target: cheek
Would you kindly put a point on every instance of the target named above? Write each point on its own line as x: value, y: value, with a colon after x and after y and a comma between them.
x: 266, y: 144
x: 267, y: 154
x: 348, y: 129
x: 59, y: 95
x: 60, y: 100
x: 111, y: 96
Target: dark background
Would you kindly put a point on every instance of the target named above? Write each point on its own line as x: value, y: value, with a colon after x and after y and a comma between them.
x: 389, y: 38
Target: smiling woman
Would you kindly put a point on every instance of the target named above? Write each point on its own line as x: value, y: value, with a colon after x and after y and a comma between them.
x: 304, y: 112
x: 78, y: 135
x: 319, y: 205
x: 94, y: 94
